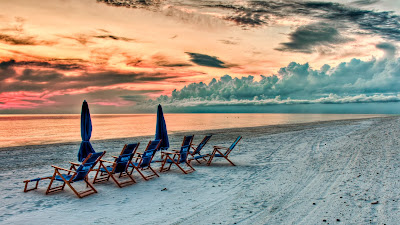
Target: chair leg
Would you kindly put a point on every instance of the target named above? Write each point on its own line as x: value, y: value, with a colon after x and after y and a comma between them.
x: 229, y: 161
x: 141, y: 174
x: 155, y: 173
x: 190, y: 166
x: 162, y: 164
x: 51, y: 182
x: 91, y: 186
x: 211, y: 158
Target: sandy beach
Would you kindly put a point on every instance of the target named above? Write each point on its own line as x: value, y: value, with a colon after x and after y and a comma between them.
x: 315, y: 173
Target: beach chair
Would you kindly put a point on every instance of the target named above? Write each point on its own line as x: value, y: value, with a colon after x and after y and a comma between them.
x: 196, y: 150
x: 217, y: 152
x: 143, y: 160
x: 119, y: 166
x: 77, y: 172
x: 179, y: 158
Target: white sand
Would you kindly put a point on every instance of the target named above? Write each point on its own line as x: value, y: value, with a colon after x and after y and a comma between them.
x: 301, y: 174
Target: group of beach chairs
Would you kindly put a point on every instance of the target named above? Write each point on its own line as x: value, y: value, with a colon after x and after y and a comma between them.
x: 120, y: 170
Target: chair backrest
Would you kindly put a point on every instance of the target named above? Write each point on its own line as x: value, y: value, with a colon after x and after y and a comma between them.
x: 183, y: 153
x: 88, y: 163
x: 202, y: 143
x: 122, y: 162
x: 187, y: 140
x: 233, y: 145
x: 148, y: 154
x: 130, y: 148
x: 155, y: 145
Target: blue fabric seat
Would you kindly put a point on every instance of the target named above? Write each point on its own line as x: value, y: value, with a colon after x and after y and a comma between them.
x: 144, y: 160
x: 195, y: 154
x: 66, y: 176
x: 119, y: 166
x: 179, y: 158
x: 109, y: 168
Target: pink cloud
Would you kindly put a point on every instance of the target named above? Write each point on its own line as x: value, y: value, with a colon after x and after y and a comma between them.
x: 23, y: 100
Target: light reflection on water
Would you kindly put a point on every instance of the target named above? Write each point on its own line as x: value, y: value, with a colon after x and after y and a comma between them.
x: 20, y: 130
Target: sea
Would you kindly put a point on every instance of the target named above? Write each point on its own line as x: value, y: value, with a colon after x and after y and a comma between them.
x: 39, y: 129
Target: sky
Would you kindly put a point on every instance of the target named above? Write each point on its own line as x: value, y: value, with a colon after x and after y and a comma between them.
x: 128, y: 56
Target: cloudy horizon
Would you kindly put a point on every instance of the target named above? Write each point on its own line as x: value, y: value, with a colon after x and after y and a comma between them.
x: 200, y: 56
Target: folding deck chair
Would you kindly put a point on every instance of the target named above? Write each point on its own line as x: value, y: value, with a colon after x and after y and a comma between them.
x: 196, y: 151
x: 179, y: 158
x: 217, y: 153
x: 143, y: 160
x: 119, y: 166
x: 74, y: 175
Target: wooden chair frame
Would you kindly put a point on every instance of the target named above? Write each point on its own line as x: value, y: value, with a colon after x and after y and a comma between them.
x: 175, y: 157
x: 193, y: 153
x: 139, y: 160
x: 105, y: 175
x: 223, y: 155
x: 73, y: 171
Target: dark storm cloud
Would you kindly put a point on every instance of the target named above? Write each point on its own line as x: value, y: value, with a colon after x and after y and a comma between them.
x: 306, y: 38
x: 388, y: 48
x: 113, y: 37
x: 45, y: 79
x: 22, y: 40
x: 264, y: 13
x: 365, y: 2
x: 59, y: 66
x: 248, y: 19
x: 6, y: 70
x: 133, y: 3
x: 206, y: 60
x: 386, y: 24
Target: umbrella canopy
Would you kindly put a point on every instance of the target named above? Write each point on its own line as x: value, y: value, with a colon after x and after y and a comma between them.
x: 161, y: 129
x: 86, y: 132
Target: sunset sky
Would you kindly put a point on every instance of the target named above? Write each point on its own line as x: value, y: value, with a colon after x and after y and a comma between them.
x: 127, y: 56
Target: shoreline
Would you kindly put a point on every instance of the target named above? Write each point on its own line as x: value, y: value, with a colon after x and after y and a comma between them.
x: 270, y: 129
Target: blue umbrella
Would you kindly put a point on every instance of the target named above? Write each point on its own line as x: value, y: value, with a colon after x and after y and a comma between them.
x: 86, y: 132
x: 161, y: 129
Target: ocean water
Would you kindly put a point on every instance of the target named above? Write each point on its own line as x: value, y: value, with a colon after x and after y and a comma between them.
x: 21, y: 130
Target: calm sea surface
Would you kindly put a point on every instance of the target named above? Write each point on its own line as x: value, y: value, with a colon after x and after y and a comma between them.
x: 20, y: 130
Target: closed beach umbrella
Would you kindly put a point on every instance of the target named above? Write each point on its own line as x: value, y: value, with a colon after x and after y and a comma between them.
x: 161, y: 129
x: 86, y: 132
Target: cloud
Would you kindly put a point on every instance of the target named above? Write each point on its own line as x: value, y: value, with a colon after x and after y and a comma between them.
x: 365, y: 2
x: 306, y: 38
x: 388, y: 48
x: 23, y: 40
x: 206, y: 60
x: 113, y: 37
x: 49, y: 77
x: 350, y: 82
x: 133, y: 3
x: 14, y: 34
x: 250, y: 14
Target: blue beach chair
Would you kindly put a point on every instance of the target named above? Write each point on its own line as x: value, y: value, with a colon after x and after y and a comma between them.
x: 143, y: 160
x: 179, y: 158
x: 218, y: 153
x: 196, y: 151
x: 119, y: 166
x: 77, y: 172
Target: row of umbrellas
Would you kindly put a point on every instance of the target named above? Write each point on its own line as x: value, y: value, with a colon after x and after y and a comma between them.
x: 86, y: 131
